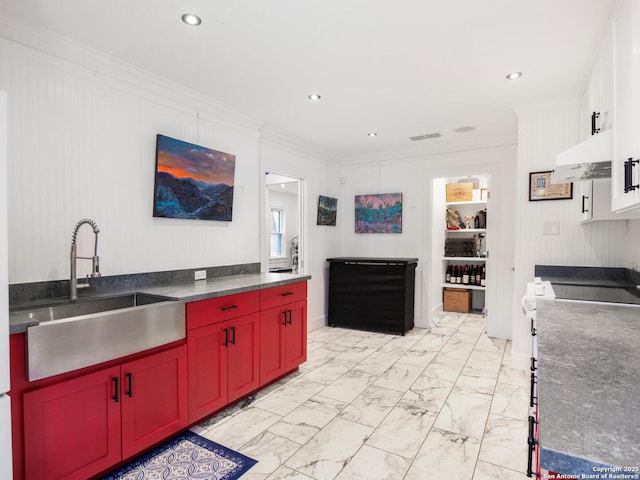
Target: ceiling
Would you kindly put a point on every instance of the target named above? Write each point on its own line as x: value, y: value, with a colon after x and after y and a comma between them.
x: 399, y: 68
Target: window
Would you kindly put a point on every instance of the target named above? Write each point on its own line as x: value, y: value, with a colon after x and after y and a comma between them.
x: 277, y: 233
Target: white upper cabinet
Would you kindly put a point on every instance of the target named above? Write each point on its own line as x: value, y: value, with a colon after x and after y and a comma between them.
x: 598, y: 96
x: 625, y: 177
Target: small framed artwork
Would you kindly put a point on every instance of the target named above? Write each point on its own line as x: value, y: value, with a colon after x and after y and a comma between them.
x: 378, y: 213
x: 327, y: 210
x: 541, y: 188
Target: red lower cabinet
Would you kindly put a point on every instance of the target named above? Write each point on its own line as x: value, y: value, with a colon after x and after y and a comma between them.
x: 154, y: 399
x: 72, y: 429
x: 77, y: 428
x: 283, y: 340
x: 223, y: 363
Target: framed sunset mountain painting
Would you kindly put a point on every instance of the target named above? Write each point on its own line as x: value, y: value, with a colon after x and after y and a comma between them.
x: 192, y: 182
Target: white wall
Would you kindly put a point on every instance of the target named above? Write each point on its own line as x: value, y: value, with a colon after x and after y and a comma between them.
x: 543, y: 131
x: 414, y: 177
x: 82, y: 144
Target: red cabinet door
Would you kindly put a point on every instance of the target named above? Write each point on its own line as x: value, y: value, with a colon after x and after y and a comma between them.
x: 207, y: 369
x: 72, y: 428
x: 154, y: 399
x: 272, y: 347
x: 243, y: 358
x: 295, y: 334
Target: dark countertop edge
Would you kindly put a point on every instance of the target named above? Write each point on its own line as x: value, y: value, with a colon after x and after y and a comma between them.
x: 176, y: 292
x: 561, y: 462
x: 380, y: 260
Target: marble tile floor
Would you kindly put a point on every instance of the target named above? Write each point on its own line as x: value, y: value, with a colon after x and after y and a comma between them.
x: 440, y: 403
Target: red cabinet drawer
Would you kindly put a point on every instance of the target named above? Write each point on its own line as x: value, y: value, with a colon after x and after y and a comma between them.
x: 214, y: 310
x: 276, y: 296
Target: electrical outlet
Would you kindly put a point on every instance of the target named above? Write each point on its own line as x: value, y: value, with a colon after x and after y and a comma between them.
x: 200, y: 275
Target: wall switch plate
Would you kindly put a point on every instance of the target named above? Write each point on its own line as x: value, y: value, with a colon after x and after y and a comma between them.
x: 200, y: 275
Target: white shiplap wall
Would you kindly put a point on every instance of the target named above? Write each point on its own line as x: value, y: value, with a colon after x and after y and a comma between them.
x: 543, y: 131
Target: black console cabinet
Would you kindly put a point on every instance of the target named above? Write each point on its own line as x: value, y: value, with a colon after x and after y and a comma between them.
x: 372, y: 293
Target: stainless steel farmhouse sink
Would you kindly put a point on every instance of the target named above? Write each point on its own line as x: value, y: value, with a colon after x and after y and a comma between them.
x: 78, y: 334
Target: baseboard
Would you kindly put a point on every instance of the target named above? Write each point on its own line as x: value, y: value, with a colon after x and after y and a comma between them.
x: 315, y: 323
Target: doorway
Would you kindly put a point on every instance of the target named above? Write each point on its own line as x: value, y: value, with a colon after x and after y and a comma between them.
x: 283, y: 250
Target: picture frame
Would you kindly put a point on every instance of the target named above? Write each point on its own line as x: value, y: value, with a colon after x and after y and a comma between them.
x: 378, y: 213
x: 327, y: 210
x: 541, y: 188
x: 192, y: 182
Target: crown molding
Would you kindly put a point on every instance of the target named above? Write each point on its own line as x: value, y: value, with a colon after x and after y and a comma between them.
x: 296, y: 146
x: 122, y: 75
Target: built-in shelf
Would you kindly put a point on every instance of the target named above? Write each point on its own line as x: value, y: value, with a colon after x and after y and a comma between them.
x: 461, y: 285
x: 453, y: 204
x: 465, y: 259
x: 467, y: 230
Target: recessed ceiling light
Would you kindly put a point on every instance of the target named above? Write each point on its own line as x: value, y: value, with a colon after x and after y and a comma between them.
x: 314, y: 97
x: 514, y: 75
x: 191, y: 19
x: 464, y: 129
x: 372, y: 134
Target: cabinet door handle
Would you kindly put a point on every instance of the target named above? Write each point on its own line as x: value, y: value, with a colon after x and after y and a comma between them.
x: 533, y: 364
x: 116, y: 394
x: 594, y: 129
x: 532, y: 397
x: 233, y: 335
x: 224, y: 309
x: 530, y: 472
x: 628, y: 175
x: 289, y: 317
x: 532, y: 440
x: 284, y: 318
x: 584, y: 197
x: 129, y: 391
x: 286, y: 294
x: 226, y: 338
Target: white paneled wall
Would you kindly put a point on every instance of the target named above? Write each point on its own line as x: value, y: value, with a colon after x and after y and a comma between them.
x: 82, y: 144
x: 414, y: 177
x: 543, y: 131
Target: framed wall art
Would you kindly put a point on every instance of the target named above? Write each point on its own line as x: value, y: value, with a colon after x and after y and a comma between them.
x: 192, y: 182
x: 541, y: 188
x: 327, y: 210
x: 378, y: 213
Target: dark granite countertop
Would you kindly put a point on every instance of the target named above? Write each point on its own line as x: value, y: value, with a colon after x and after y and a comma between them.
x: 188, y: 292
x: 588, y: 385
x: 588, y: 276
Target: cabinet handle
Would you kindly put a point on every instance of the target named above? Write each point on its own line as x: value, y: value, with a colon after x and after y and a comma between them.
x: 129, y: 391
x: 533, y: 364
x: 233, y: 335
x: 289, y: 317
x: 286, y: 294
x: 284, y: 318
x: 584, y: 197
x: 594, y: 129
x: 116, y: 395
x: 226, y: 338
x: 224, y: 309
x: 532, y: 442
x: 532, y: 398
x: 628, y: 175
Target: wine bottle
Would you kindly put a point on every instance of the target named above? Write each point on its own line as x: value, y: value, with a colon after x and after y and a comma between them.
x: 483, y: 278
x: 478, y: 275
x: 448, y: 274
x: 465, y: 275
x: 472, y: 275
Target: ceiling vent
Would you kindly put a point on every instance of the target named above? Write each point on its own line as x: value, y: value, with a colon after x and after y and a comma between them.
x: 424, y: 137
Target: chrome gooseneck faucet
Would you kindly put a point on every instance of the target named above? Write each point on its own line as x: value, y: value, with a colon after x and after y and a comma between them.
x: 95, y: 260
